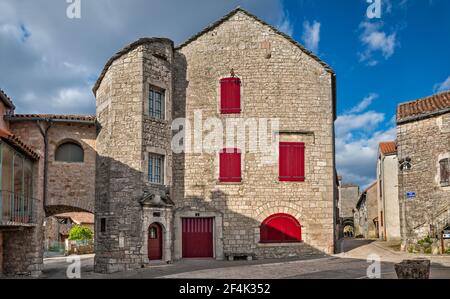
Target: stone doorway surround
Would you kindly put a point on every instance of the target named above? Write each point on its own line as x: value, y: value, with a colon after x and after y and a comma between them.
x: 191, y: 213
x: 157, y: 209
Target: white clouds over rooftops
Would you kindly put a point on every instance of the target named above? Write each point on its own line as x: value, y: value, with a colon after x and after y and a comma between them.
x: 311, y: 35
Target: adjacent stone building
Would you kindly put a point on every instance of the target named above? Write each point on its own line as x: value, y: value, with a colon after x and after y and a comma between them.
x: 348, y: 198
x: 366, y: 213
x: 48, y: 168
x: 423, y: 146
x: 154, y: 202
x: 388, y: 197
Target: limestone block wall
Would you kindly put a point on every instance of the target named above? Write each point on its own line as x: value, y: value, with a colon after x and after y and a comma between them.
x: 426, y: 142
x: 278, y: 81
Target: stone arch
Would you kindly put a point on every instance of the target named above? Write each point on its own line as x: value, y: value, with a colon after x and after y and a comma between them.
x: 271, y: 208
x: 51, y: 210
x: 162, y: 217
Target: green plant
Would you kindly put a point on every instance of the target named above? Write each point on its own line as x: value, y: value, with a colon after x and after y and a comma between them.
x: 425, y: 241
x: 447, y: 251
x: 80, y: 233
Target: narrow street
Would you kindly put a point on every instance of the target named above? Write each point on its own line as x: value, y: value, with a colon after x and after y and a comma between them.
x: 350, y: 263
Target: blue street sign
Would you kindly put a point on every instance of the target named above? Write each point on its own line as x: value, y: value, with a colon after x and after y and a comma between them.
x: 411, y: 195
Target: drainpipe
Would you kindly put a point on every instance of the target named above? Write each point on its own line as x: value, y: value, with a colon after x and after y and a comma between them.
x: 44, y: 133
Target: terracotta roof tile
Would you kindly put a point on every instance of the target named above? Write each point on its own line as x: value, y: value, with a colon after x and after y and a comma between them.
x: 19, y: 144
x: 388, y: 148
x: 79, y: 217
x: 423, y: 108
x: 53, y: 116
x: 6, y: 100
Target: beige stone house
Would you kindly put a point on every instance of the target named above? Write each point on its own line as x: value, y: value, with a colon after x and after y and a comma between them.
x: 47, y: 167
x: 388, y: 197
x: 156, y: 203
x: 423, y: 146
x: 366, y: 213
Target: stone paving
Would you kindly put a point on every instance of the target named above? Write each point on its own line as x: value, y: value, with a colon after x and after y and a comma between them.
x: 351, y: 263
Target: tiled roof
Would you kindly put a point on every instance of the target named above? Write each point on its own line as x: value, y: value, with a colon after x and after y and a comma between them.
x: 388, y: 148
x: 79, y: 217
x: 423, y: 108
x: 6, y: 100
x: 88, y: 118
x: 19, y: 144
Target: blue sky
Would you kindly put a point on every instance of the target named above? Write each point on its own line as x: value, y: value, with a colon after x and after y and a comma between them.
x: 50, y: 62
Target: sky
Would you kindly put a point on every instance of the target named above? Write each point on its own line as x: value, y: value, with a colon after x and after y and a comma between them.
x: 49, y: 62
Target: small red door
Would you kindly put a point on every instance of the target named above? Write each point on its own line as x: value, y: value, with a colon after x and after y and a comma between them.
x: 155, y: 242
x: 198, y: 237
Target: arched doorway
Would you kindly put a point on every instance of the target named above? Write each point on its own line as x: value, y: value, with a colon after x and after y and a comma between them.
x: 155, y: 236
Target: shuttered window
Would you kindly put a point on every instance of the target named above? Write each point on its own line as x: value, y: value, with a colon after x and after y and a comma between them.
x: 280, y: 228
x: 292, y: 162
x: 445, y: 172
x: 230, y: 95
x: 230, y: 165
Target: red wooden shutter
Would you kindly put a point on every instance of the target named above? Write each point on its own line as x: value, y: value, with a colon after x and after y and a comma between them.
x: 292, y: 161
x: 230, y: 95
x: 230, y: 165
x: 280, y: 228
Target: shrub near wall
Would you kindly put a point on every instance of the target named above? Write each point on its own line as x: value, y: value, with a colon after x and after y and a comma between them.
x: 80, y: 240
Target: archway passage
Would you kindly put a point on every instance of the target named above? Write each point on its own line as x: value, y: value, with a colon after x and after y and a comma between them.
x: 155, y: 237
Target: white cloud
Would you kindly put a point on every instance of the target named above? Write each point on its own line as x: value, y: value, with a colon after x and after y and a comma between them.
x: 366, y: 102
x: 285, y: 25
x: 311, y: 35
x: 357, y: 139
x: 376, y: 41
x: 57, y: 58
x: 443, y: 86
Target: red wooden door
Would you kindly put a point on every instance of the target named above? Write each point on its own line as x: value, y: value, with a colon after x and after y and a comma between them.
x: 155, y: 242
x: 198, y: 237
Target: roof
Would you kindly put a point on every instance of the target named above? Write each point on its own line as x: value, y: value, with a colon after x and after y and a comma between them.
x: 15, y: 141
x: 423, y: 108
x: 125, y: 50
x: 79, y: 217
x: 58, y: 117
x: 6, y: 100
x: 238, y: 9
x: 214, y: 25
x: 388, y: 148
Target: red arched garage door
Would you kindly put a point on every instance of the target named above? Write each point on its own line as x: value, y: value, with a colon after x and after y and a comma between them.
x: 280, y: 228
x: 197, y: 237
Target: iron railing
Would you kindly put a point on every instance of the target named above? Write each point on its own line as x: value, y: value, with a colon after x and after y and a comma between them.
x: 15, y: 208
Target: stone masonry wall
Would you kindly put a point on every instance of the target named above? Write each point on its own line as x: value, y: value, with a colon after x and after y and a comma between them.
x: 278, y: 81
x: 426, y: 142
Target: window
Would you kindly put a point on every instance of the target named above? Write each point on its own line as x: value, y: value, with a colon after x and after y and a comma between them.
x: 292, y: 162
x: 230, y: 165
x: 156, y: 169
x: 69, y: 152
x: 102, y: 225
x: 152, y: 234
x: 156, y: 103
x: 230, y: 95
x: 445, y: 172
x: 280, y: 228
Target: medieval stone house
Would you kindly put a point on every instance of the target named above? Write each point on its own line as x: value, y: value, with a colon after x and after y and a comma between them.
x: 423, y: 146
x: 154, y: 203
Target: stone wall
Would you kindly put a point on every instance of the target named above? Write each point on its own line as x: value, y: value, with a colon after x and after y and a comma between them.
x: 349, y: 198
x: 372, y: 211
x: 426, y: 142
x: 279, y: 81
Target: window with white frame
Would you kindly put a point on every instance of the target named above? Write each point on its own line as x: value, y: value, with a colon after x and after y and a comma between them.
x: 156, y: 169
x: 156, y: 103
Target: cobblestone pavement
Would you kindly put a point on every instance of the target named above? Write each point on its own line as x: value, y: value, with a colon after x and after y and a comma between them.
x: 350, y: 263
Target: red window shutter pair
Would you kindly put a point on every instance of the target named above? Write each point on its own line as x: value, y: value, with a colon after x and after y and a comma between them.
x: 280, y: 228
x: 230, y: 95
x: 230, y: 165
x: 292, y: 162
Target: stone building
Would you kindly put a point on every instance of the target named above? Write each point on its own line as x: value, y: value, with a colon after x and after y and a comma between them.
x: 156, y: 203
x: 423, y: 146
x: 348, y: 198
x: 366, y: 213
x: 388, y: 207
x: 48, y: 168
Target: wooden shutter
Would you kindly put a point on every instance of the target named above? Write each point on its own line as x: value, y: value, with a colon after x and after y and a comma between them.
x: 230, y: 165
x: 292, y: 161
x: 230, y: 95
x: 280, y: 228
